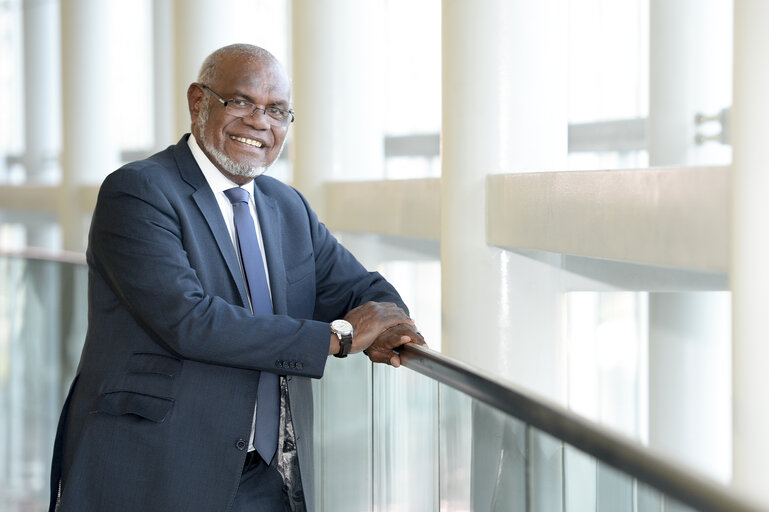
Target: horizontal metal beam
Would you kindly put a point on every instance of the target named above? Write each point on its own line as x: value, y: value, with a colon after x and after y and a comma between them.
x: 40, y: 198
x: 47, y: 198
x: 40, y: 254
x: 676, y: 217
x: 409, y: 208
x: 424, y: 145
x: 615, y: 135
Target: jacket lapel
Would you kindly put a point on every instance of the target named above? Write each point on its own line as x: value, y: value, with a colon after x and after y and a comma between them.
x: 206, y: 203
x: 269, y: 224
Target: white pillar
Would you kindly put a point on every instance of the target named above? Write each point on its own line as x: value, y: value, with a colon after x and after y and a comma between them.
x: 42, y: 116
x: 689, y: 404
x: 689, y: 379
x: 338, y: 73
x: 201, y: 26
x: 165, y: 98
x: 42, y: 105
x: 504, y: 110
x: 89, y: 149
x: 750, y: 247
x: 337, y: 59
x: 689, y: 58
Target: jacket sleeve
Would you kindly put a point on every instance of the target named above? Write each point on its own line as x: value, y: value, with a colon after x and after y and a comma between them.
x: 342, y: 282
x: 137, y: 247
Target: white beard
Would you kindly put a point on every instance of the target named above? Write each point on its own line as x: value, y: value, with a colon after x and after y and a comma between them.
x: 225, y: 162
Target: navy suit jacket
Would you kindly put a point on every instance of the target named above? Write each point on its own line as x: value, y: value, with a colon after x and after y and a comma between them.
x: 159, y: 413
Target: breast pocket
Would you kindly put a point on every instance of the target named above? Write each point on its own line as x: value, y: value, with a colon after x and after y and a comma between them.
x: 302, y: 270
x: 146, y: 389
x: 300, y: 288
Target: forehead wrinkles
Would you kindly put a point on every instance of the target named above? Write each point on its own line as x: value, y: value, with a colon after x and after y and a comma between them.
x: 256, y: 78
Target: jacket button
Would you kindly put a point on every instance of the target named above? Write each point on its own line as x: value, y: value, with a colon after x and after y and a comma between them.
x: 241, y: 444
x: 278, y: 364
x: 299, y: 366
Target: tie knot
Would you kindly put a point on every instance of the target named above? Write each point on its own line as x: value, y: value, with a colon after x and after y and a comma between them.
x: 237, y: 195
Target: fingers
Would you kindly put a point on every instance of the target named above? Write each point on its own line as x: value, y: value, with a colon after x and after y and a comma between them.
x: 382, y: 314
x: 384, y: 355
x: 398, y: 335
x: 373, y: 318
x: 381, y: 350
x: 381, y: 327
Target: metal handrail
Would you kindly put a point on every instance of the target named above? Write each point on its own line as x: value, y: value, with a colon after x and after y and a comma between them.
x: 620, y: 452
x: 39, y: 254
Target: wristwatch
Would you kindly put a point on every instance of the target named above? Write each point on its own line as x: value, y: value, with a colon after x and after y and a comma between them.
x: 343, y: 331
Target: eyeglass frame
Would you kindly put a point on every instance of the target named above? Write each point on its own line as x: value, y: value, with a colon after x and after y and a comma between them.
x: 224, y: 102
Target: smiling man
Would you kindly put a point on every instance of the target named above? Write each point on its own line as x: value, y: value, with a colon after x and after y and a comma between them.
x: 215, y: 295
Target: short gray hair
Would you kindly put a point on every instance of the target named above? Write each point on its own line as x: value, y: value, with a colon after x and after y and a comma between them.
x: 249, y: 52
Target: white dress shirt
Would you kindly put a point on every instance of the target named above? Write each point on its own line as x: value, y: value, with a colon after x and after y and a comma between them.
x: 219, y: 183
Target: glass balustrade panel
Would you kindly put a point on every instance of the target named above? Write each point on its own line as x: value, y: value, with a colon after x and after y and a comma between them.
x: 42, y: 327
x: 343, y: 435
x: 406, y: 441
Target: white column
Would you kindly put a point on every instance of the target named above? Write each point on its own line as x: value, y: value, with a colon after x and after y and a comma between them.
x: 337, y: 59
x: 504, y: 110
x: 164, y: 97
x: 690, y: 379
x: 42, y: 102
x: 89, y: 149
x: 201, y: 26
x: 750, y: 247
x: 689, y: 403
x: 338, y: 78
x: 42, y: 118
x: 689, y: 59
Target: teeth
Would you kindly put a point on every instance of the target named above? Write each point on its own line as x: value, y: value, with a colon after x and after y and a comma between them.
x: 250, y: 142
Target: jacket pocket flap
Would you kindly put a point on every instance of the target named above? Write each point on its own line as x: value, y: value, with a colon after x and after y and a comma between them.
x: 125, y: 402
x: 152, y: 384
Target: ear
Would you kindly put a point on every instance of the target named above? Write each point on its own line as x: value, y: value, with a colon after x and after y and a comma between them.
x: 195, y: 98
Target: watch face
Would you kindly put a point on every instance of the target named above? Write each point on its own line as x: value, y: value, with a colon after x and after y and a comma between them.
x: 342, y: 327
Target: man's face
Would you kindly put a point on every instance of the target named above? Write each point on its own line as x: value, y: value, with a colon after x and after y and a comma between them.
x: 241, y: 147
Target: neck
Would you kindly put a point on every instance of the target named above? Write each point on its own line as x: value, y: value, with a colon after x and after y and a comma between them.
x: 240, y: 180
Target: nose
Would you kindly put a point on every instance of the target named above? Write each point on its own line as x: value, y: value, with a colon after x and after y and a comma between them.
x: 258, y: 119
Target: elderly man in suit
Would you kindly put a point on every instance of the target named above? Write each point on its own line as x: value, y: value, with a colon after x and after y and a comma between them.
x: 215, y: 294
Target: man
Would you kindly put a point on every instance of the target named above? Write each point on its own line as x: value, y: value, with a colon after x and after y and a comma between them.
x: 173, y: 391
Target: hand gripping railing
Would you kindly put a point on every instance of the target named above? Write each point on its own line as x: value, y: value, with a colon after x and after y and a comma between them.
x: 607, y: 446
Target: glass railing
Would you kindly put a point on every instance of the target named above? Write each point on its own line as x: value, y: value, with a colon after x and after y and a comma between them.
x: 432, y: 435
x: 42, y: 328
x: 444, y: 437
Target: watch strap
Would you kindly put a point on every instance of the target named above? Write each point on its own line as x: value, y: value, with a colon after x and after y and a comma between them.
x: 345, y: 344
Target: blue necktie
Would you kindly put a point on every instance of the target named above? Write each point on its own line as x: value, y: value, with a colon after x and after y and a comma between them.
x: 268, y: 394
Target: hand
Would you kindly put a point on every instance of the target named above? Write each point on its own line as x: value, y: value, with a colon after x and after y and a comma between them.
x: 372, y: 319
x: 381, y: 351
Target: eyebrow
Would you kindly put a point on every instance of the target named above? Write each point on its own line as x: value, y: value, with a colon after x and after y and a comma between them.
x: 277, y: 103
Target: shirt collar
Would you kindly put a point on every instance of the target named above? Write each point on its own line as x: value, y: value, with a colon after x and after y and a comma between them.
x: 215, y: 178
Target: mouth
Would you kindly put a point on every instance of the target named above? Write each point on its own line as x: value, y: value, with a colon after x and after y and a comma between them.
x: 250, y: 142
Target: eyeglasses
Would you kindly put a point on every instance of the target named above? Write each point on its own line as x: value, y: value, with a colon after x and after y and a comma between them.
x: 242, y: 108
